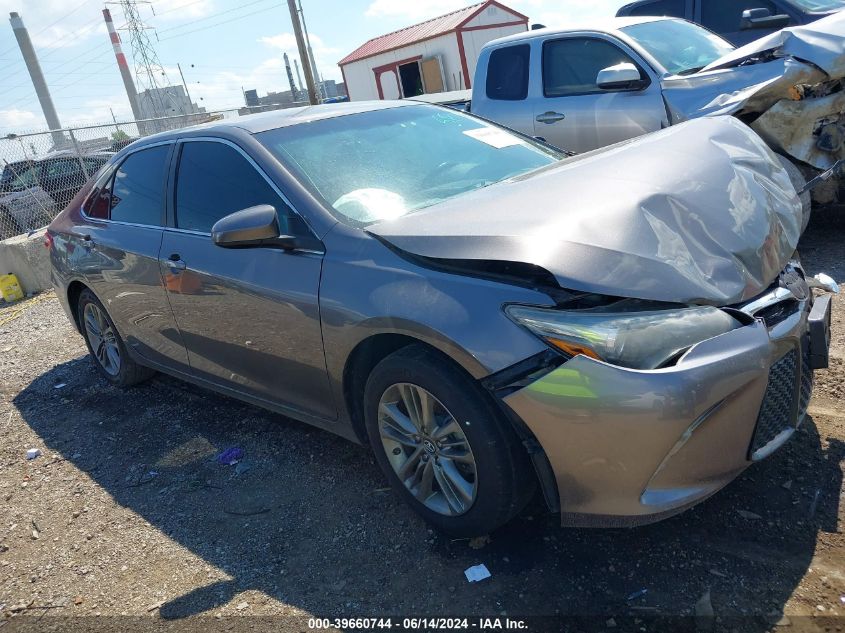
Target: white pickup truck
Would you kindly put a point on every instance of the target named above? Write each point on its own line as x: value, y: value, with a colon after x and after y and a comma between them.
x: 588, y: 87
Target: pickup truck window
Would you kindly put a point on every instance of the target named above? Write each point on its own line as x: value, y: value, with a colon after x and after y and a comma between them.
x: 571, y: 65
x: 679, y: 46
x: 724, y: 16
x: 507, y: 73
x: 672, y: 8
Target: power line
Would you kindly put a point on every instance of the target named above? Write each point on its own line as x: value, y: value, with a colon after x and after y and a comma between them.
x: 225, y: 22
x: 213, y: 15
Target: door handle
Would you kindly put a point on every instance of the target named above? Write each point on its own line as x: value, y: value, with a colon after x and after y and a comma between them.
x: 550, y: 117
x: 174, y: 262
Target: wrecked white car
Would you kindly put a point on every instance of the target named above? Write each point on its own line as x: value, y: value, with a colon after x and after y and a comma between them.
x: 588, y: 87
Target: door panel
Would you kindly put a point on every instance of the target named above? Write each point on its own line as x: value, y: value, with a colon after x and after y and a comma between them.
x: 121, y: 262
x: 432, y: 75
x: 250, y: 318
x: 119, y: 253
x: 574, y: 114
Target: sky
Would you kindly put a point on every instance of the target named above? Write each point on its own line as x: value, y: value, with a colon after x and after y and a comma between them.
x: 221, y: 45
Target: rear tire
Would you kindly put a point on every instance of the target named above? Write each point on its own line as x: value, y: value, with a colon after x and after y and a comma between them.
x: 486, y: 474
x: 105, y: 345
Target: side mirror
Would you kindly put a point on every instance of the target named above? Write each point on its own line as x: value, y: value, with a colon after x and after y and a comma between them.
x: 257, y: 226
x: 762, y: 19
x: 624, y: 76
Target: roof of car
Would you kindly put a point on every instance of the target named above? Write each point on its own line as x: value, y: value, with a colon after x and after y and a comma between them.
x: 605, y: 25
x: 263, y: 121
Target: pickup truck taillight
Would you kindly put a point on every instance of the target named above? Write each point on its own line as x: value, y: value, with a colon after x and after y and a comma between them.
x: 48, y: 241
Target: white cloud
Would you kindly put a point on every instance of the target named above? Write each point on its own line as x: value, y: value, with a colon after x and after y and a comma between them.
x: 64, y: 37
x: 16, y: 119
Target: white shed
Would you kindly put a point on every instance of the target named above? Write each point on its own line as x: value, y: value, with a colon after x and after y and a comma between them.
x: 438, y: 55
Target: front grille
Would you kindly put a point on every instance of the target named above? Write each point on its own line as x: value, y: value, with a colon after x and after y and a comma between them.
x: 778, y: 411
x: 806, y: 378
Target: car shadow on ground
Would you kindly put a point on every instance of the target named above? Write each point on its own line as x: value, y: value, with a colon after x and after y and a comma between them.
x: 307, y: 518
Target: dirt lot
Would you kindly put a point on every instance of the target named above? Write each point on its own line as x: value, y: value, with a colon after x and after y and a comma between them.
x: 126, y: 512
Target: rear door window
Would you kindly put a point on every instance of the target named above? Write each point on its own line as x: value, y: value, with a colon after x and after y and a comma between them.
x: 571, y: 66
x: 214, y: 180
x: 507, y: 73
x: 138, y: 188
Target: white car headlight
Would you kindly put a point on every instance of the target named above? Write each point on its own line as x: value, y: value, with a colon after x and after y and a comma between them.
x: 644, y: 339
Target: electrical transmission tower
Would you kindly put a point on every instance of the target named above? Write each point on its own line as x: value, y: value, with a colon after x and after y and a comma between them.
x: 149, y: 73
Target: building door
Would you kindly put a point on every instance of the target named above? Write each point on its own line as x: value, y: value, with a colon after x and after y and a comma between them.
x: 389, y: 84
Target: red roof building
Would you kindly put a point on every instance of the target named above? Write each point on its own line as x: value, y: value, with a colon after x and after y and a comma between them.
x: 438, y: 55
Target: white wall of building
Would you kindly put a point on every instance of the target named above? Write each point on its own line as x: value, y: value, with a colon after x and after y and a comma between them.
x: 474, y: 40
x: 361, y: 81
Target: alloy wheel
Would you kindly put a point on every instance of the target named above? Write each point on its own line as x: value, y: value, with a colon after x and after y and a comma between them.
x: 427, y: 449
x: 103, y: 339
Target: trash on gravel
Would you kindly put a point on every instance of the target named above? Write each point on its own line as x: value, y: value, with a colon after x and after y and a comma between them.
x: 60, y: 385
x: 638, y: 594
x: 842, y: 599
x: 230, y: 456
x: 786, y: 485
x: 716, y: 572
x: 32, y: 453
x: 751, y: 516
x: 477, y: 542
x: 477, y: 572
x: 242, y: 467
x: 242, y: 605
x: 610, y: 623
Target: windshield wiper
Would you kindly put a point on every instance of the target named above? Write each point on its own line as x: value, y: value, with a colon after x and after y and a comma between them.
x: 690, y: 71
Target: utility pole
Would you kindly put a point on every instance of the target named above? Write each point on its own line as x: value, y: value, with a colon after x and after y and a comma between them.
x: 303, y: 53
x: 316, y: 73
x: 185, y: 85
x: 128, y: 83
x: 34, y: 68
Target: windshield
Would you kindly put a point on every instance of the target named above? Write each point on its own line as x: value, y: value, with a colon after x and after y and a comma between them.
x: 19, y: 176
x: 820, y: 5
x: 679, y: 46
x: 381, y: 165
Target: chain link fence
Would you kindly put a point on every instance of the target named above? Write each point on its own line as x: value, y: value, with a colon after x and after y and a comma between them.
x: 43, y: 171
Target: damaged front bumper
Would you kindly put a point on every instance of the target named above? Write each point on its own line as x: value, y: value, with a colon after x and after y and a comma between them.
x: 629, y: 447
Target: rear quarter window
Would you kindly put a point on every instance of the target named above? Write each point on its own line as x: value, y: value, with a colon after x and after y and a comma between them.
x: 507, y: 73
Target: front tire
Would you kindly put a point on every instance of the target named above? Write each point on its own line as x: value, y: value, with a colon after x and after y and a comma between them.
x: 443, y: 445
x: 105, y: 345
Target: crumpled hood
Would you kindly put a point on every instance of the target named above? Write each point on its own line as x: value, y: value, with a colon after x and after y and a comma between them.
x: 701, y: 212
x: 807, y: 54
x: 821, y: 43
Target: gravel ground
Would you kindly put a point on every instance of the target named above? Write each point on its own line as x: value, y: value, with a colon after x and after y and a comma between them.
x: 126, y: 513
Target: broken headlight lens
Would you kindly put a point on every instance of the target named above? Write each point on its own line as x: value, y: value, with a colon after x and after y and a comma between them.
x: 642, y: 339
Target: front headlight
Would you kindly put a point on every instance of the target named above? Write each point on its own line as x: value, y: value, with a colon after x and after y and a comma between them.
x: 643, y: 339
